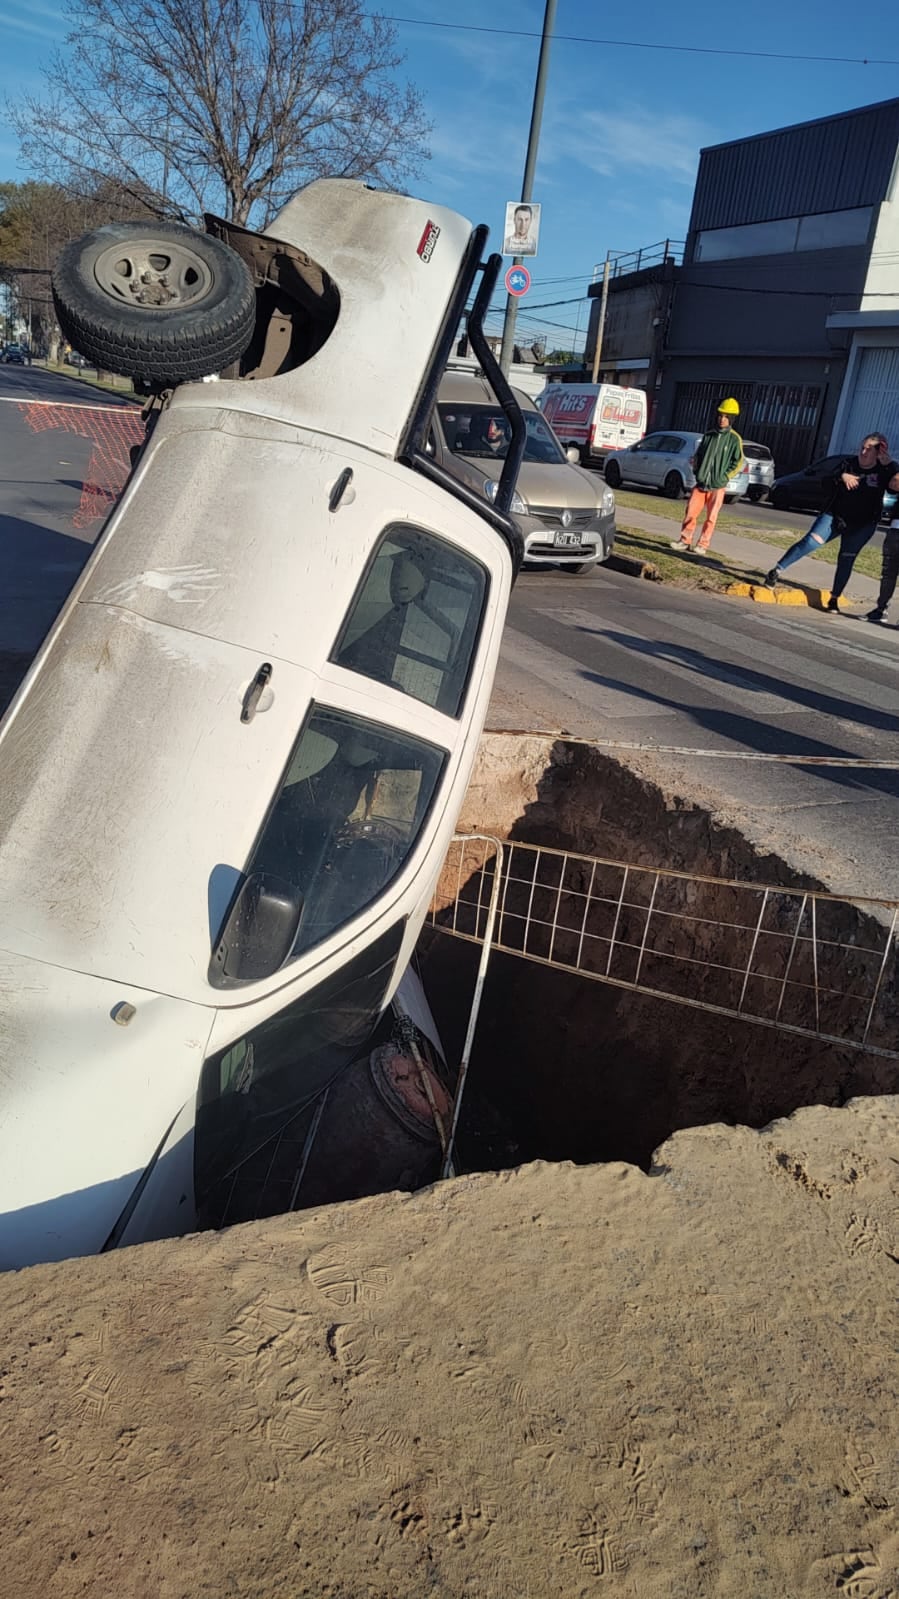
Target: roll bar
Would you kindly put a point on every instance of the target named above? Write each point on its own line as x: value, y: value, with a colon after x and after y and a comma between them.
x: 412, y: 451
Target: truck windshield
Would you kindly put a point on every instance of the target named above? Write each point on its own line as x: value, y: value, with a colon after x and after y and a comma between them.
x: 482, y: 432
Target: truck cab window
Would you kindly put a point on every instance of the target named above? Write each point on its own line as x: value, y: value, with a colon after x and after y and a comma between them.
x: 346, y: 817
x: 415, y: 620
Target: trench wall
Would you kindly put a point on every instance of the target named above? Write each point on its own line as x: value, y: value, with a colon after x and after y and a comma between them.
x: 565, y: 1067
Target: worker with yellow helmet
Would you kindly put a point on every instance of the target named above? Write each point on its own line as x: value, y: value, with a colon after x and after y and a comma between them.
x: 718, y: 458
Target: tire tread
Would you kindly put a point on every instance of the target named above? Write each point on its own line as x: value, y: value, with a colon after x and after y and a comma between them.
x: 157, y: 346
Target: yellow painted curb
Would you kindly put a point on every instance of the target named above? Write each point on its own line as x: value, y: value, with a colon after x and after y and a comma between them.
x: 751, y: 591
x: 817, y: 598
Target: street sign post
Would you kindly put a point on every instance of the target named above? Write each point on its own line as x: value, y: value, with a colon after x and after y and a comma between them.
x: 518, y: 281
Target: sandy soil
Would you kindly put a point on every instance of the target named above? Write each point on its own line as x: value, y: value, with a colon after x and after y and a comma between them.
x: 561, y: 1381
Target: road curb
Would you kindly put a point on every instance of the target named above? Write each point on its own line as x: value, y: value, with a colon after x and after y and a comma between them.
x: 815, y: 598
x: 633, y: 566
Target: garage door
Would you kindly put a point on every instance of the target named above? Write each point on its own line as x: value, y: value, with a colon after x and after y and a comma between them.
x: 875, y: 400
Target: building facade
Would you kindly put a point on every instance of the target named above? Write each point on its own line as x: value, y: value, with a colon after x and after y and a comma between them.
x: 638, y: 308
x: 788, y: 297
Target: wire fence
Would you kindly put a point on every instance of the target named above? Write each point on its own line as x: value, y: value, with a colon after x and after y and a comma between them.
x: 799, y: 961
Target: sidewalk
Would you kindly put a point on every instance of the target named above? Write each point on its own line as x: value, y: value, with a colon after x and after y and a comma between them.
x: 757, y: 557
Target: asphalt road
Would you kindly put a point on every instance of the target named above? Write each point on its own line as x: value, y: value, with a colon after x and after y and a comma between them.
x: 48, y: 452
x: 613, y: 657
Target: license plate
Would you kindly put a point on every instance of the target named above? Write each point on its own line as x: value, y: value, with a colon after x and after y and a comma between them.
x: 568, y: 538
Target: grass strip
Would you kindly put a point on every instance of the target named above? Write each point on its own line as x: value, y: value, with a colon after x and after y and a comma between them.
x: 868, y: 562
x: 80, y: 375
x: 681, y: 570
x: 673, y: 510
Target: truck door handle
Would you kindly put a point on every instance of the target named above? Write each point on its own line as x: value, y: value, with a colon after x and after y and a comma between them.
x: 254, y: 692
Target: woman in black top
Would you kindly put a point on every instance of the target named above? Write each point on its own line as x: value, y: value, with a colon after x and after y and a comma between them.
x: 852, y: 514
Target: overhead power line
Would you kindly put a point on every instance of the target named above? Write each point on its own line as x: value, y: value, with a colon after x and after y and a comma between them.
x: 643, y: 44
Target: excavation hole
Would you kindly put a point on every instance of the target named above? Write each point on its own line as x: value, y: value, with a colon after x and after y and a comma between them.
x: 568, y: 1068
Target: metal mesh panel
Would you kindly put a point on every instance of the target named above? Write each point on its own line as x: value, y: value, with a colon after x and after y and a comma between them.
x: 790, y: 959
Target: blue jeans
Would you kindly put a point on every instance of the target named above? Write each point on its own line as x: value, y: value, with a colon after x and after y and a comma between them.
x: 822, y: 530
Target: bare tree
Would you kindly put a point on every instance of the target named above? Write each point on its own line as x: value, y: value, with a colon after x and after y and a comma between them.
x: 228, y: 106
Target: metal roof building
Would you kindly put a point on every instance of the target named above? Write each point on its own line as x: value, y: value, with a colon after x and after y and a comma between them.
x: 789, y: 292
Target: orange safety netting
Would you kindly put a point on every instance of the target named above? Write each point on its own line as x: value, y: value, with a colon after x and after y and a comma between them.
x: 111, y: 430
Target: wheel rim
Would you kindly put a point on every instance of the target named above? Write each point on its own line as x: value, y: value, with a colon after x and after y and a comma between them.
x: 153, y: 274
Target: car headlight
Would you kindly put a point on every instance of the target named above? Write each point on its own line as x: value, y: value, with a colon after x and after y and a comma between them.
x: 519, y: 506
x: 608, y: 502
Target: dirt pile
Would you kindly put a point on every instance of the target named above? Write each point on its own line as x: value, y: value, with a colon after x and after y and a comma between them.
x: 684, y: 1383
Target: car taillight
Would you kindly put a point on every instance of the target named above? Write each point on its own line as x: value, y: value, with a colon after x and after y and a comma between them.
x: 592, y: 432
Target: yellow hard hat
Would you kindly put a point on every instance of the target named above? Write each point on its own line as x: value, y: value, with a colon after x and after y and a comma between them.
x: 729, y: 407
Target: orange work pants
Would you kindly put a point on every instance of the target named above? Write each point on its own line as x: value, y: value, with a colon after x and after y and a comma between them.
x: 712, y: 500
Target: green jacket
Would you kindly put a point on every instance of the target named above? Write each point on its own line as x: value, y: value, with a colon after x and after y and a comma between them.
x: 718, y: 458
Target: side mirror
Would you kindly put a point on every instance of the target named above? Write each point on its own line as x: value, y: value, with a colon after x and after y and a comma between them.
x: 573, y: 455
x: 259, y: 933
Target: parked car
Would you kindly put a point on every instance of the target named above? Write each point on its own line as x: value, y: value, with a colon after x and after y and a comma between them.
x: 812, y: 488
x: 808, y: 490
x: 565, y: 515
x: 761, y: 470
x: 231, y: 774
x: 597, y: 419
x: 662, y: 461
x: 74, y: 359
x: 13, y: 355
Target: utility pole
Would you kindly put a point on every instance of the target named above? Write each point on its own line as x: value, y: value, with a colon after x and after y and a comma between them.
x: 549, y: 18
x: 601, y: 324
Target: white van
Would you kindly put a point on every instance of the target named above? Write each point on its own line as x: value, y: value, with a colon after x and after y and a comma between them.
x: 232, y: 772
x: 595, y: 418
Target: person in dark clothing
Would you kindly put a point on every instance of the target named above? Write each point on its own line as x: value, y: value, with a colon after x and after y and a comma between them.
x: 853, y: 512
x: 889, y: 571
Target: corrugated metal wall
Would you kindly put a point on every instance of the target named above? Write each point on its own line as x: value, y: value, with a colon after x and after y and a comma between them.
x: 832, y: 165
x: 785, y: 416
x: 875, y: 400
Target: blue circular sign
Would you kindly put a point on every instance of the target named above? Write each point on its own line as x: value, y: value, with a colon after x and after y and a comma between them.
x: 518, y: 280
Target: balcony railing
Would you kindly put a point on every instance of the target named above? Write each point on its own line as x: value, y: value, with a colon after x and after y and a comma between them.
x: 621, y: 262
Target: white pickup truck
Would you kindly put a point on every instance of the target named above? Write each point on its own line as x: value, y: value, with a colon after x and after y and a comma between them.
x: 231, y: 774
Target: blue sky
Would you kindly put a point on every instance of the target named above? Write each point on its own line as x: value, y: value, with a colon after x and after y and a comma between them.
x: 622, y: 127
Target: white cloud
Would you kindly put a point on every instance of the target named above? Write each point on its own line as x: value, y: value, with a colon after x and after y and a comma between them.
x: 611, y: 142
x: 482, y: 142
x: 9, y: 21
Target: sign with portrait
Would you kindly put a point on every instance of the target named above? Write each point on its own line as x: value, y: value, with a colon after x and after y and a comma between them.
x: 522, y: 228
